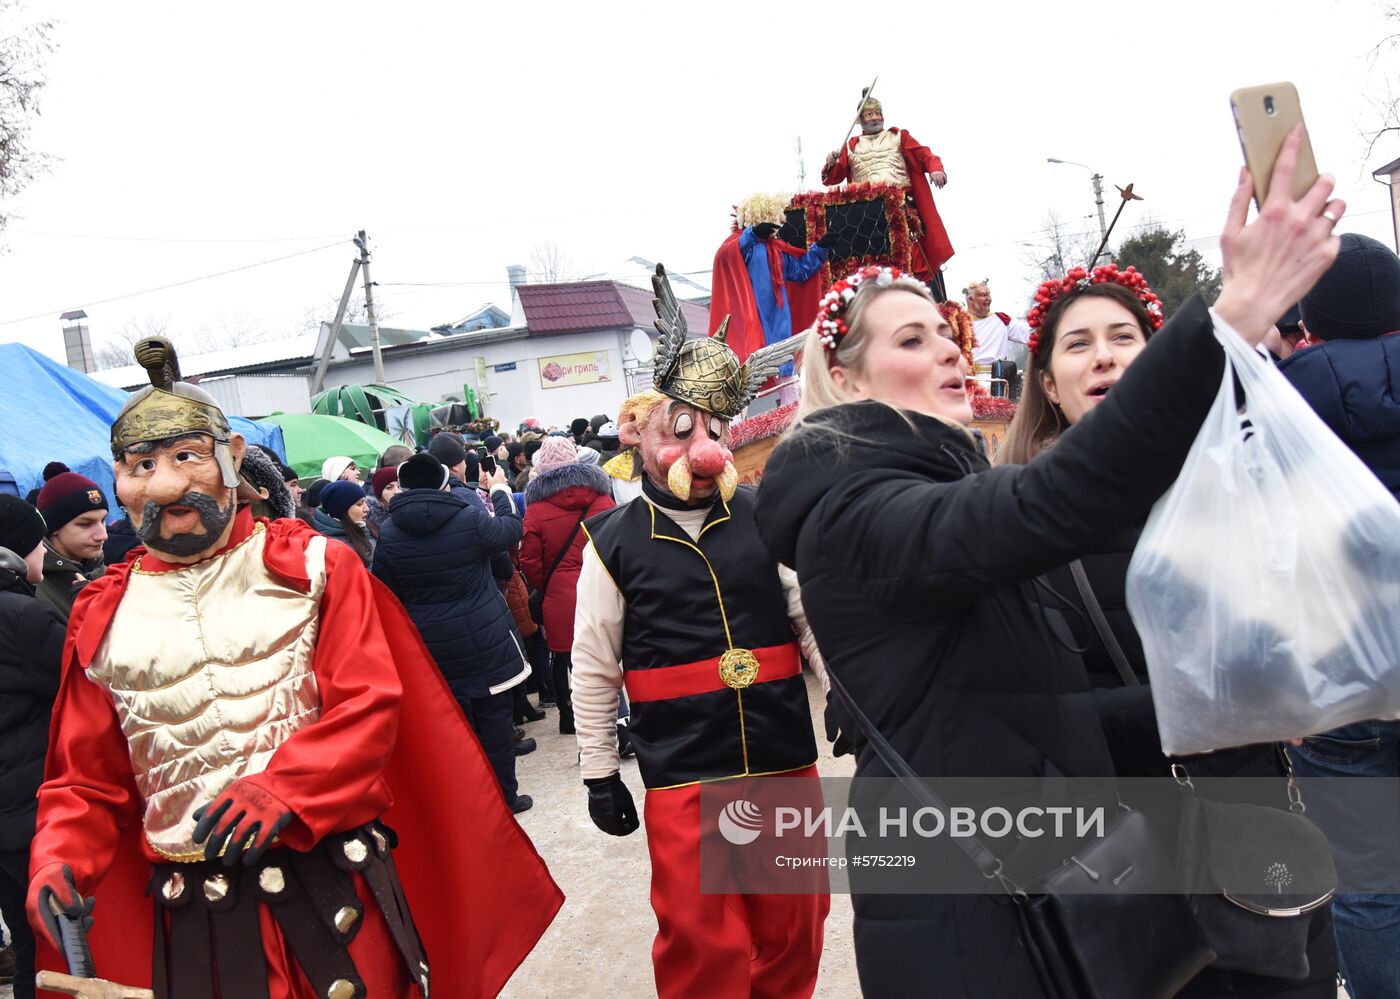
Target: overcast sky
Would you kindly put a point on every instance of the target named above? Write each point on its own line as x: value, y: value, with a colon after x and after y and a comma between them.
x: 189, y: 139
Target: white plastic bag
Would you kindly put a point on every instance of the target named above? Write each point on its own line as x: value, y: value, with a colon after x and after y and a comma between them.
x: 1266, y: 584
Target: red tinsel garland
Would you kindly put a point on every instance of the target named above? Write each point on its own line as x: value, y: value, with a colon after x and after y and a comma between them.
x: 761, y: 427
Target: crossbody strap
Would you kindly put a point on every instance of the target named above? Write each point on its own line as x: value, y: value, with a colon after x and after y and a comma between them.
x: 1101, y: 625
x: 986, y: 861
x: 564, y: 551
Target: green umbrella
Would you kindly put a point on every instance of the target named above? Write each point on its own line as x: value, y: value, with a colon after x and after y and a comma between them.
x: 312, y: 438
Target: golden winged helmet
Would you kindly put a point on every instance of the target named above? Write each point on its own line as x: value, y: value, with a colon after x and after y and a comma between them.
x: 704, y: 371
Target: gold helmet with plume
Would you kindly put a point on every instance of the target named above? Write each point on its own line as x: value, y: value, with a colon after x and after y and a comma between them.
x: 170, y: 407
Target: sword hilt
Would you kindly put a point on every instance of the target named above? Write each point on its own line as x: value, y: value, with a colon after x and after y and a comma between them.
x: 73, y: 939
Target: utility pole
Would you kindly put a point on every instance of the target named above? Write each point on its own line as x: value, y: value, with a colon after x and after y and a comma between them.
x: 362, y: 241
x: 324, y: 362
x: 1097, y: 178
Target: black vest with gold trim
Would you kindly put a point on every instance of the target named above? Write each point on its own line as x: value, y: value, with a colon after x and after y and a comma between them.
x: 689, y: 603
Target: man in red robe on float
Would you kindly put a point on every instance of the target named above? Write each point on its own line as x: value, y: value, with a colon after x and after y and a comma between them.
x: 892, y: 156
x: 250, y: 731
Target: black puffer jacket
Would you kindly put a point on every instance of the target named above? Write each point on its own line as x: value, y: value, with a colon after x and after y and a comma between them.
x: 435, y: 555
x: 915, y: 561
x: 31, y: 653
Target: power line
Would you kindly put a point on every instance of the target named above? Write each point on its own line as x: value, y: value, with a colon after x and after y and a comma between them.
x: 173, y: 284
x: 164, y: 239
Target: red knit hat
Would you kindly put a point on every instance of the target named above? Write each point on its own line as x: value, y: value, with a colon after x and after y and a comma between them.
x: 382, y: 478
x: 67, y: 495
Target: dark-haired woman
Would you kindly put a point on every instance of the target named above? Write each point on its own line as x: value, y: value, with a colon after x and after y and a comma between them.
x: 1085, y: 338
x: 914, y: 556
x: 343, y: 516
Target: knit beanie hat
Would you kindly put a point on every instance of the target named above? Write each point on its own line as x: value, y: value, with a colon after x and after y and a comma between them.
x: 21, y: 527
x: 338, y: 497
x: 514, y: 448
x: 423, y: 471
x: 334, y: 467
x: 597, y: 421
x: 588, y: 456
x: 67, y: 495
x: 579, y: 427
x: 491, y: 443
x: 381, y: 479
x: 608, y: 432
x: 1359, y: 296
x: 531, y: 448
x: 555, y: 451
x: 311, y: 498
x: 447, y: 449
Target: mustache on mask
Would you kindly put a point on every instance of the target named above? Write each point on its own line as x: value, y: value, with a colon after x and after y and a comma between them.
x: 680, y: 477
x: 212, y: 517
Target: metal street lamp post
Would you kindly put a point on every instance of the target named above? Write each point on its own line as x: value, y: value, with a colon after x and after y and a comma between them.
x: 1097, y: 179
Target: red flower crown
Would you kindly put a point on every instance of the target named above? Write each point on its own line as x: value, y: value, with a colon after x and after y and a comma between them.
x: 1077, y: 280
x: 831, y: 324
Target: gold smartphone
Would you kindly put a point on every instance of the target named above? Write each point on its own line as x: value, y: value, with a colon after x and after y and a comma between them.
x: 1263, y: 118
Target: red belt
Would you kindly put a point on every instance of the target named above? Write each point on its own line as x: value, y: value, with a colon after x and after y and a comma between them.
x: 777, y: 662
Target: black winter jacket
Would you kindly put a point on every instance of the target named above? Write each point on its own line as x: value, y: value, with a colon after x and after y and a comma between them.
x: 31, y: 653
x: 915, y: 560
x: 1355, y: 387
x: 435, y: 555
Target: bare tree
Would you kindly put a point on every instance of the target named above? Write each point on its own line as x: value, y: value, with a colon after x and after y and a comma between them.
x: 1062, y: 245
x: 116, y: 352
x: 1384, y: 98
x: 238, y: 330
x: 549, y: 264
x: 355, y: 311
x: 23, y: 47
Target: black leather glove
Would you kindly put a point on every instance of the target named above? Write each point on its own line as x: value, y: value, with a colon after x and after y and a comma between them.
x: 610, y: 805
x: 827, y: 241
x: 839, y: 726
x: 766, y: 230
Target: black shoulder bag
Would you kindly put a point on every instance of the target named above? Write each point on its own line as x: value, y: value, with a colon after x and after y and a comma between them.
x: 537, y: 597
x: 1254, y: 873
x: 1089, y: 936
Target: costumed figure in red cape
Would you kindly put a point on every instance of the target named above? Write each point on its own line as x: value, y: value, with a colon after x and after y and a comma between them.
x: 893, y: 156
x: 767, y: 287
x: 679, y: 602
x: 247, y: 755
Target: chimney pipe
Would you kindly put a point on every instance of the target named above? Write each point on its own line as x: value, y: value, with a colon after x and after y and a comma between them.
x: 77, y: 342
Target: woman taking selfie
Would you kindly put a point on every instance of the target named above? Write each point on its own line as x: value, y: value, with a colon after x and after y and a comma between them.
x: 1087, y: 331
x: 914, y: 555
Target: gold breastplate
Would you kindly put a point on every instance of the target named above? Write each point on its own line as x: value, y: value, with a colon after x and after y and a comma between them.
x: 878, y: 159
x: 209, y: 667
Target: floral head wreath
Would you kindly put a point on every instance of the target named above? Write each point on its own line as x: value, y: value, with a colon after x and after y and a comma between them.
x: 1077, y: 280
x: 831, y: 312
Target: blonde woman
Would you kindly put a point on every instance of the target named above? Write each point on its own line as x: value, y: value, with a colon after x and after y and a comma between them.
x: 913, y: 554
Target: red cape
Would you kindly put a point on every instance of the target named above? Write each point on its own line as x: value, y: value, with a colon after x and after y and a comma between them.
x: 731, y: 295
x: 918, y: 161
x: 480, y: 893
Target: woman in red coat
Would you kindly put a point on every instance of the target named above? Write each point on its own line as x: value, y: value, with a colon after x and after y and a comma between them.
x: 561, y: 495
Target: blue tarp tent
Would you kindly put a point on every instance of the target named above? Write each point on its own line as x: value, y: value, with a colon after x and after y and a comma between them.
x: 49, y: 412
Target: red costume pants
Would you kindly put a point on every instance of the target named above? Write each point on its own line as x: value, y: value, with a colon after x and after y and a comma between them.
x: 723, y: 946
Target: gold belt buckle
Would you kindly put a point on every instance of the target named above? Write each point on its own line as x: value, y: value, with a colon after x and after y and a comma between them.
x: 738, y: 668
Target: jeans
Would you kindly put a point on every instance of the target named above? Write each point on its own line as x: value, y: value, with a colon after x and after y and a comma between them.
x: 1364, y: 830
x: 14, y: 885
x: 492, y: 718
